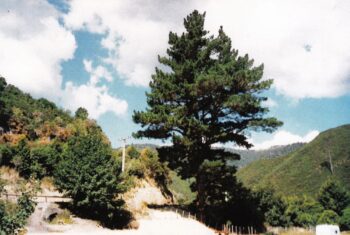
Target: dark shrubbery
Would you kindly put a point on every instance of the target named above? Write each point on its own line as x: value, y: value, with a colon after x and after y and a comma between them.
x: 306, y: 211
x: 328, y: 217
x: 14, y: 219
x: 345, y: 219
x: 90, y: 176
x: 36, y: 161
x: 333, y: 196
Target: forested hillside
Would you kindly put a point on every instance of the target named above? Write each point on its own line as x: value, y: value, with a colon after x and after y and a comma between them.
x: 248, y: 156
x: 306, y: 169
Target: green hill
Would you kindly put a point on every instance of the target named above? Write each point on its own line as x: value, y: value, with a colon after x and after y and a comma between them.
x: 248, y: 156
x: 303, y: 171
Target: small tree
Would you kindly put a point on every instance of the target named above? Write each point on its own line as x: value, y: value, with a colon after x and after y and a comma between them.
x: 333, y: 196
x: 81, y: 113
x: 89, y: 175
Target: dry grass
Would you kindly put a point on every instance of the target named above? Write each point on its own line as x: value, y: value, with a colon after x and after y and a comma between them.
x: 293, y: 232
x: 47, y: 183
x: 305, y: 232
x: 10, y: 175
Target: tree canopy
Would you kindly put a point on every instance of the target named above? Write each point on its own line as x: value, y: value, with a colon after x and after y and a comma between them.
x: 205, y: 93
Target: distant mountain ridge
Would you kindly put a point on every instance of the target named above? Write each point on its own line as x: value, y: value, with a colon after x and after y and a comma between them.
x: 303, y: 171
x: 248, y: 156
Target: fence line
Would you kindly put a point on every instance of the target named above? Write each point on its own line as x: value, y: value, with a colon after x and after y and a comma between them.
x: 48, y: 198
x: 224, y: 229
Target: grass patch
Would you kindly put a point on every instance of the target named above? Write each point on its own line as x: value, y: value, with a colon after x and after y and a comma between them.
x: 64, y: 217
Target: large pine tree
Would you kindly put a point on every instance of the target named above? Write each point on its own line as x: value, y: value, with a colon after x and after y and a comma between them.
x: 206, y: 94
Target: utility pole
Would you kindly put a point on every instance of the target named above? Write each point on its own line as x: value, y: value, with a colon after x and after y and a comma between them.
x: 123, y: 155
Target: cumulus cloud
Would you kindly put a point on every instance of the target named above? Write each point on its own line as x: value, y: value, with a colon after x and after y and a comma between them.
x: 284, y: 137
x: 304, y: 44
x: 92, y: 96
x: 135, y: 31
x: 33, y: 46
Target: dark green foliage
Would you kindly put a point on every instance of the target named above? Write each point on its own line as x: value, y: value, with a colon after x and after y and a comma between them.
x: 6, y: 153
x: 81, y: 113
x: 35, y: 162
x: 208, y: 94
x: 217, y: 183
x: 12, y: 221
x: 132, y: 152
x: 333, y: 196
x: 328, y: 217
x: 303, y: 211
x: 89, y: 175
x: 21, y: 159
x: 302, y: 171
x: 44, y: 159
x: 345, y: 219
x: 272, y: 207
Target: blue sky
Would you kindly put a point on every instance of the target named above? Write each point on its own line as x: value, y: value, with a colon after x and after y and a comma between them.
x: 100, y: 55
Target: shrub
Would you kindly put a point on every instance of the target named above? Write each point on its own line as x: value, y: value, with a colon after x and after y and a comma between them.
x: 90, y: 176
x: 303, y: 211
x: 11, y: 221
x: 272, y: 207
x: 154, y: 168
x: 136, y: 168
x: 345, y: 219
x: 333, y: 196
x: 6, y: 154
x: 328, y: 217
x: 132, y: 152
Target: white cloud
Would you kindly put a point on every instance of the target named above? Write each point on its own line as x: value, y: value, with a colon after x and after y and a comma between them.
x: 96, y: 74
x: 304, y: 44
x: 284, y: 137
x: 34, y: 44
x: 136, y: 31
x: 95, y: 98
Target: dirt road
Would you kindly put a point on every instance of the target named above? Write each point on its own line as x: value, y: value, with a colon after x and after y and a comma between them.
x: 157, y: 223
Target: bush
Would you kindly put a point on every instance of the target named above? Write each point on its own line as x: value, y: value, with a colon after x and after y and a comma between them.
x: 132, y: 152
x: 136, y: 168
x: 272, y: 207
x: 303, y: 212
x: 328, y: 217
x: 333, y: 196
x: 154, y: 168
x: 90, y: 176
x: 345, y: 219
x: 6, y: 154
x: 12, y: 221
x: 36, y: 162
